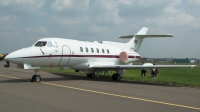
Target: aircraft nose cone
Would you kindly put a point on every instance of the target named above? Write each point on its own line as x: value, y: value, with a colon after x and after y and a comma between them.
x: 13, y: 57
x: 9, y: 57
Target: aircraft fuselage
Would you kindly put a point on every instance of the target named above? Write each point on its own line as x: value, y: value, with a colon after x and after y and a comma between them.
x: 57, y: 52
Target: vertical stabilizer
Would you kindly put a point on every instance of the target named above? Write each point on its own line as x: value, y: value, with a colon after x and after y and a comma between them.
x: 143, y: 31
x: 136, y: 41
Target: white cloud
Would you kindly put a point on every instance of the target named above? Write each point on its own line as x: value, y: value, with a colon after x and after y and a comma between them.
x: 21, y: 5
x: 127, y: 2
x: 42, y: 13
x: 106, y: 12
x: 40, y: 30
x: 96, y: 29
x: 63, y: 20
x: 174, y: 16
x: 6, y: 19
x: 63, y: 5
x: 194, y: 2
x: 8, y: 26
x: 171, y: 9
x: 181, y: 19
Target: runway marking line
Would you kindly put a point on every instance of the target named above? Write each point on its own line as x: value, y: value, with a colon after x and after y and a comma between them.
x: 110, y: 94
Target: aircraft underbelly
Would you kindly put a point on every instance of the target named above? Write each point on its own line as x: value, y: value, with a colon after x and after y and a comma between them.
x: 65, y: 55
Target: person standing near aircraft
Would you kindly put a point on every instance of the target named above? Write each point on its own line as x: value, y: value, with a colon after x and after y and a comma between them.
x: 143, y: 72
x: 153, y: 71
x: 156, y: 72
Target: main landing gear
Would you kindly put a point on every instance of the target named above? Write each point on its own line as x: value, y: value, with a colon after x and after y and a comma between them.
x: 91, y: 75
x: 36, y: 77
x: 116, y: 77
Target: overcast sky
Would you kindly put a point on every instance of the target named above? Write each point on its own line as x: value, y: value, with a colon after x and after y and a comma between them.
x: 23, y: 22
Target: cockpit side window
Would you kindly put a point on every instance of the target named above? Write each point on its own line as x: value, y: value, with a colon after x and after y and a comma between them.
x: 55, y: 44
x: 40, y: 43
x: 52, y: 44
x: 49, y: 44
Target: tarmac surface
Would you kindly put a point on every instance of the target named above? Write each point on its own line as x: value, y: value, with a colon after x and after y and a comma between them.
x: 74, y: 93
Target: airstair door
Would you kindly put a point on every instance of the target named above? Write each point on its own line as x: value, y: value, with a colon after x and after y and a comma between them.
x: 66, y: 52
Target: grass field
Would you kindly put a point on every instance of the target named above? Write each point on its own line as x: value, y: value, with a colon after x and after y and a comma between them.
x: 171, y: 76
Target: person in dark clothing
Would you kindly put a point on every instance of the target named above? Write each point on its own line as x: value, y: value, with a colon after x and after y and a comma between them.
x: 143, y: 72
x: 7, y: 64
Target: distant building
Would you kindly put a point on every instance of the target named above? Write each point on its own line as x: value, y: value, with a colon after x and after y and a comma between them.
x: 171, y: 60
x: 184, y: 60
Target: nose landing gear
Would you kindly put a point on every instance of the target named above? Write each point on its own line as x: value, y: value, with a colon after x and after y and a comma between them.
x: 36, y: 77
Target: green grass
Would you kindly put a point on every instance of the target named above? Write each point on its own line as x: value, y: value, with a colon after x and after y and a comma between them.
x: 174, y: 76
x: 171, y: 76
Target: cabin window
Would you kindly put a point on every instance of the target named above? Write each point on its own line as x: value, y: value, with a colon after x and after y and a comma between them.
x: 102, y: 50
x: 81, y: 49
x: 108, y: 51
x: 92, y: 50
x: 97, y: 50
x: 86, y: 49
x: 40, y: 43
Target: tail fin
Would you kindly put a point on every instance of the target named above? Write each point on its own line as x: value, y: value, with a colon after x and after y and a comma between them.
x: 137, y: 39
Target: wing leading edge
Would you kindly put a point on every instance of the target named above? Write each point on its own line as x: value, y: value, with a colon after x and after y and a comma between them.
x: 138, y: 66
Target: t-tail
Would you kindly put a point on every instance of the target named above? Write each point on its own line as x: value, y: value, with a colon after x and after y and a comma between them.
x: 137, y: 39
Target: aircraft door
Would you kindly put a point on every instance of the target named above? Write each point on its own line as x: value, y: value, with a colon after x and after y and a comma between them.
x: 66, y: 52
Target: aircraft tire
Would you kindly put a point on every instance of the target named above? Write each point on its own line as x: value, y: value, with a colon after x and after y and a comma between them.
x: 114, y: 77
x: 91, y: 75
x: 38, y: 78
x: 118, y: 77
x: 33, y: 78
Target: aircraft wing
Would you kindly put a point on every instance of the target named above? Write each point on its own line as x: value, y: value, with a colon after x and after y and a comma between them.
x: 138, y: 66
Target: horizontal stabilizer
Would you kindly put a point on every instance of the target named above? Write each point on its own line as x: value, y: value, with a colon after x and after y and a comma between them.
x: 145, y: 36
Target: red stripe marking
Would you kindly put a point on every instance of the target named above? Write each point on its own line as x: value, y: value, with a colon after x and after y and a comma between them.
x: 89, y: 56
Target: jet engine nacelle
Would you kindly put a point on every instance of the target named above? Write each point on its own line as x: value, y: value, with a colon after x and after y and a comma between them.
x: 128, y: 57
x: 123, y: 56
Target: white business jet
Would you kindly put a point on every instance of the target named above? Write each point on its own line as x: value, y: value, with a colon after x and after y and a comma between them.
x: 89, y: 57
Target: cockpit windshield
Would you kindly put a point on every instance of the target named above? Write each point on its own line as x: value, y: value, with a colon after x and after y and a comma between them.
x: 41, y: 43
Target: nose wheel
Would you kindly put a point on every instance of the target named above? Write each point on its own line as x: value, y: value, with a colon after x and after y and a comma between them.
x: 36, y: 77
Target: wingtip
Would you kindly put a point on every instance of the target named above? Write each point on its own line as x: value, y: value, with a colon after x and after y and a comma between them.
x: 192, y: 66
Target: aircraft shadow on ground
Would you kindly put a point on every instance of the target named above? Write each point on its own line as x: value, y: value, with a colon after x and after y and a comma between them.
x: 15, y: 81
x: 68, y: 77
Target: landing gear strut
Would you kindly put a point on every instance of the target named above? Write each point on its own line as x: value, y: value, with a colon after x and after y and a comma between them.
x: 36, y: 77
x: 116, y: 77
